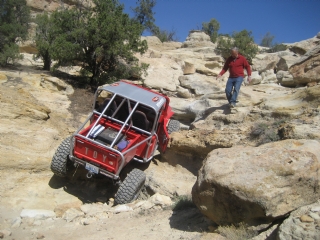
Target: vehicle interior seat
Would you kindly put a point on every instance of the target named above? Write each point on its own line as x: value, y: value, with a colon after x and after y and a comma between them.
x: 140, y: 120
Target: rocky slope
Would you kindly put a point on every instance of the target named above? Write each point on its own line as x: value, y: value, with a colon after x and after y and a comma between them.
x: 220, y: 153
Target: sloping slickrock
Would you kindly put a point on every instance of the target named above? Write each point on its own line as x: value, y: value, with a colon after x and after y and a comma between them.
x: 303, y: 46
x: 257, y: 185
x: 303, y: 223
x: 307, y: 69
x: 295, y: 103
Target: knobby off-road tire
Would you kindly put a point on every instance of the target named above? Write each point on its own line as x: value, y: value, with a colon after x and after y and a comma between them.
x: 173, y: 126
x: 60, y: 160
x: 131, y: 187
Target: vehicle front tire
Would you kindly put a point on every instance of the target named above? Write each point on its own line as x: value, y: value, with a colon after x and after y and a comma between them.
x: 173, y: 126
x: 131, y: 187
x: 60, y: 161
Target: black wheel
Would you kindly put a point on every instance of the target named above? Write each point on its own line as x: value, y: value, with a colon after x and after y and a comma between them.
x: 131, y: 187
x: 173, y: 126
x: 60, y: 162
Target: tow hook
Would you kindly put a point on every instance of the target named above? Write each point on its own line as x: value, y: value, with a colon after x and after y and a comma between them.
x: 90, y: 174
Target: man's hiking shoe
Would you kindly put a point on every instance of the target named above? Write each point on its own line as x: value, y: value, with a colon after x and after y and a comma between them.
x: 232, y: 105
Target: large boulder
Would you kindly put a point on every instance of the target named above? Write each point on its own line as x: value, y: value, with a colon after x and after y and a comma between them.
x: 286, y: 62
x: 197, y: 38
x: 258, y: 185
x: 303, y: 223
x: 188, y: 68
x: 197, y: 84
x: 255, y: 78
x: 285, y: 79
x: 269, y: 77
x: 162, y: 74
x: 264, y: 62
x: 307, y: 68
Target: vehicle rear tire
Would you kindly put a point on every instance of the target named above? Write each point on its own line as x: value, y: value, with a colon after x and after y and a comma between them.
x: 131, y: 187
x: 60, y: 161
x: 173, y: 126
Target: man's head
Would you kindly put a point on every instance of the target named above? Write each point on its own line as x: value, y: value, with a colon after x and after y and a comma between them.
x: 234, y: 52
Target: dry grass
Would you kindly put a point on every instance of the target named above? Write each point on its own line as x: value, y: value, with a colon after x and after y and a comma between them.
x: 239, y: 232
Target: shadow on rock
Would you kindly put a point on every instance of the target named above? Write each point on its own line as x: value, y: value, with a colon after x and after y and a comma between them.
x: 189, y: 220
x: 90, y: 190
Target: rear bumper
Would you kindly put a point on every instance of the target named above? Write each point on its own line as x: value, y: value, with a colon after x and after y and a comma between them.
x: 101, y: 171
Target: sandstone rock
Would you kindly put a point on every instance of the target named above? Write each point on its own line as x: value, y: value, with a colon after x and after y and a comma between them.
x: 307, y: 68
x: 3, y: 78
x: 155, y: 54
x: 183, y: 92
x: 271, y: 233
x: 286, y: 62
x: 248, y: 184
x: 37, y: 213
x: 71, y: 214
x: 5, y: 233
x: 303, y: 46
x: 55, y: 84
x: 300, y: 224
x: 213, y: 65
x: 162, y: 74
x: 207, y: 71
x: 122, y: 208
x: 175, y: 171
x: 293, y: 104
x: 16, y: 222
x: 285, y: 79
x: 197, y: 39
x: 188, y: 68
x: 60, y: 209
x: 306, y: 218
x: 93, y: 209
x: 318, y: 35
x: 28, y: 47
x: 23, y: 106
x: 264, y: 62
x: 269, y: 77
x: 152, y: 41
x: 171, y: 45
x: 160, y: 200
x: 255, y: 78
x: 196, y: 84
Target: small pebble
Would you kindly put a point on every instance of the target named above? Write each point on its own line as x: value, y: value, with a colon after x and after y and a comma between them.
x: 315, y: 209
x: 314, y: 215
x: 305, y: 218
x: 40, y: 236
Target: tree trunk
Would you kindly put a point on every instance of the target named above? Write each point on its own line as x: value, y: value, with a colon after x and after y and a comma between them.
x: 46, y: 61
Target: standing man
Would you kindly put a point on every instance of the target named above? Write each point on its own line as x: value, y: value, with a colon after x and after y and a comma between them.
x: 236, y: 63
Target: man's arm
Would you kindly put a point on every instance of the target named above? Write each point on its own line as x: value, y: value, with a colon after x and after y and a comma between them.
x: 224, y: 69
x: 248, y: 68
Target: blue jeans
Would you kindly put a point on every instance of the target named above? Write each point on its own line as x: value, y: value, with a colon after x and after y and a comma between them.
x: 233, y: 88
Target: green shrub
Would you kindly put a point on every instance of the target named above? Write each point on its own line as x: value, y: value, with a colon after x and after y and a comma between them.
x: 267, y: 131
x: 183, y: 202
x: 277, y: 48
x: 242, y: 40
